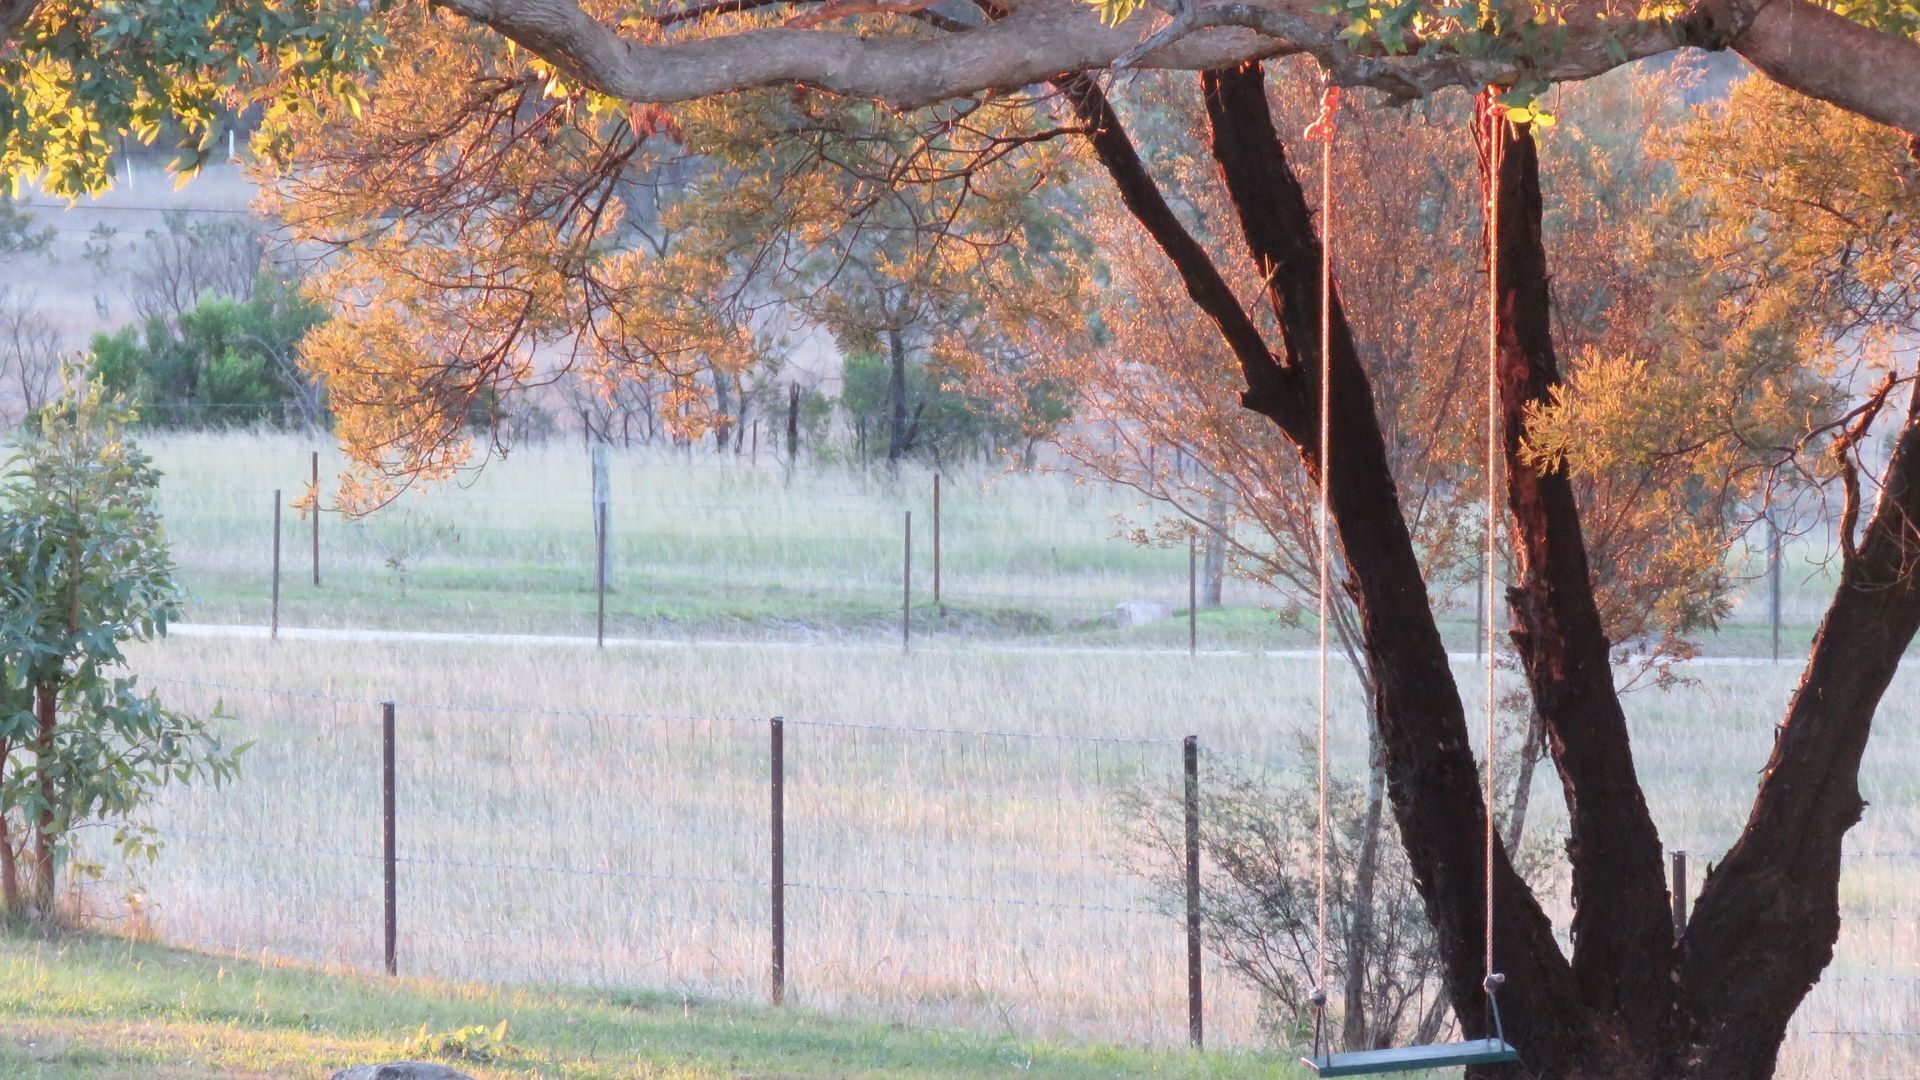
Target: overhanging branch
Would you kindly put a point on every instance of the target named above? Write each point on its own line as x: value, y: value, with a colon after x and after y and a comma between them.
x: 1801, y: 45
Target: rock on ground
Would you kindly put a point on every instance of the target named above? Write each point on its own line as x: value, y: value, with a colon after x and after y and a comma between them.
x: 401, y: 1070
x: 1138, y: 613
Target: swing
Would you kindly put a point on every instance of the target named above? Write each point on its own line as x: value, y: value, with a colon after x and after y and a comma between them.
x: 1490, y: 1051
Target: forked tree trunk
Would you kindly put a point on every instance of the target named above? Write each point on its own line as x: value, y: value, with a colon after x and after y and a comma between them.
x: 1622, y: 922
x: 1767, y: 918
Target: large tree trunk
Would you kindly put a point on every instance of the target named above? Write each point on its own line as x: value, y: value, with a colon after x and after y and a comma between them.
x: 1622, y: 926
x: 1433, y: 781
x: 1768, y: 916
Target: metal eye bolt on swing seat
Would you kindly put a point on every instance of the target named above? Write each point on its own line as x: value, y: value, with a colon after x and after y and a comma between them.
x: 1490, y: 1051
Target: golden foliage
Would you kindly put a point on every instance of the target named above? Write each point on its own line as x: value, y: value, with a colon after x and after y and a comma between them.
x: 486, y: 228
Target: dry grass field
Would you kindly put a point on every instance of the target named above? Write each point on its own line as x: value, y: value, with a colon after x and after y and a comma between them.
x: 955, y: 853
x: 600, y: 818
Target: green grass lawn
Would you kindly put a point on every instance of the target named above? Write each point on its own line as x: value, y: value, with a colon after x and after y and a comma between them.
x: 83, y: 1006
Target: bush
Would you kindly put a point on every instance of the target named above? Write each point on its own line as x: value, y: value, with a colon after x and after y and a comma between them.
x: 84, y: 568
x: 226, y: 363
x: 1259, y: 848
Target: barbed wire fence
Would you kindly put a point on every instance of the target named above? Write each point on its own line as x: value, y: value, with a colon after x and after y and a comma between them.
x: 934, y: 875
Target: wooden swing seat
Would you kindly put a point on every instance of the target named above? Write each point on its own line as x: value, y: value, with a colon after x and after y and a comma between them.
x: 1407, y: 1058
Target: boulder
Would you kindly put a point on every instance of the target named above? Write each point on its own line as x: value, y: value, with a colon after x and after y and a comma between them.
x: 401, y: 1070
x: 1138, y: 613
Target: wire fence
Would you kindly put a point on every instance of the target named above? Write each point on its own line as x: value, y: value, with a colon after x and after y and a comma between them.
x: 934, y: 875
x: 736, y: 554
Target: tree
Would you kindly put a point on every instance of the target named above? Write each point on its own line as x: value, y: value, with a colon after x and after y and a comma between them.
x: 186, y: 261
x: 85, y: 570
x: 536, y: 233
x: 1628, y: 1001
x: 75, y: 78
x: 29, y: 351
x: 218, y: 363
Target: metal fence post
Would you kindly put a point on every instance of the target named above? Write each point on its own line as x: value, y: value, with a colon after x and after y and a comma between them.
x: 1679, y: 894
x: 778, y: 846
x: 389, y: 849
x: 275, y: 631
x: 1190, y: 752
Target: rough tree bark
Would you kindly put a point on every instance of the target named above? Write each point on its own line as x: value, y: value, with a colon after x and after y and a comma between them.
x: 1622, y: 923
x: 1768, y: 915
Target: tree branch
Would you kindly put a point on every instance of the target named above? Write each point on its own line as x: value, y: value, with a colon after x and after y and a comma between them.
x: 1768, y: 915
x: 1798, y: 43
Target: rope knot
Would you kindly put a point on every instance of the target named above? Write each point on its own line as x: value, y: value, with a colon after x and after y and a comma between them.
x: 1321, y: 130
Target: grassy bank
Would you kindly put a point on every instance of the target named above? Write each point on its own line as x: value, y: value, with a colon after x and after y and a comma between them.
x: 94, y: 1007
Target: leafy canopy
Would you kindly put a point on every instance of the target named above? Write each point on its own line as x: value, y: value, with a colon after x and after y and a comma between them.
x: 79, y: 76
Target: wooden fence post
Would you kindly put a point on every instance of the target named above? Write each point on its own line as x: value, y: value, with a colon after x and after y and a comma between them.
x: 389, y: 853
x: 778, y: 845
x: 1190, y: 754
